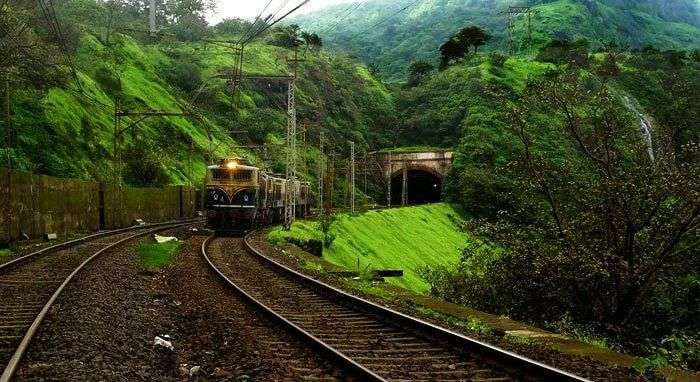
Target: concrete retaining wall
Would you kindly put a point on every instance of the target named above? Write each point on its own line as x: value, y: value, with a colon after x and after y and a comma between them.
x: 38, y: 204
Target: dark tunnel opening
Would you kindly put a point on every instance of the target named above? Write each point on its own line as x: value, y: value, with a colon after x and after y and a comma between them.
x: 423, y: 187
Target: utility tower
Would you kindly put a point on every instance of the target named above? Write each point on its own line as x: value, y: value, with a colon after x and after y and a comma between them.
x: 352, y: 177
x: 152, y: 18
x: 511, y: 13
x: 320, y: 171
x: 291, y: 173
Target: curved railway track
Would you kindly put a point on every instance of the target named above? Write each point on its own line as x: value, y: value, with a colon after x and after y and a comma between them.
x: 369, y: 341
x: 29, y: 285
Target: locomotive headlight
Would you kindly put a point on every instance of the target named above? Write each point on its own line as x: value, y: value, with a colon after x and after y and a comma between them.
x: 231, y: 165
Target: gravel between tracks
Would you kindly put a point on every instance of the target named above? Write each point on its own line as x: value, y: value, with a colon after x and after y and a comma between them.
x: 104, y: 325
x: 582, y: 366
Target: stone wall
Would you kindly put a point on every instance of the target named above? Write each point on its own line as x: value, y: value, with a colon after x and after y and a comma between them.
x: 34, y: 205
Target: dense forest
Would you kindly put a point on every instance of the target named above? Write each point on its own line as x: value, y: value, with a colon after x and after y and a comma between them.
x: 576, y: 157
x: 390, y: 35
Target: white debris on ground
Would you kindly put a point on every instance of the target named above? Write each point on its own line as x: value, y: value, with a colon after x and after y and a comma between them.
x: 164, y: 239
x: 195, y: 370
x: 162, y: 342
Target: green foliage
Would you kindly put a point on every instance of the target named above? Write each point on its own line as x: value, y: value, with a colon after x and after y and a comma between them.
x: 158, y: 255
x: 5, y: 253
x: 416, y: 33
x: 387, y: 240
x: 418, y: 71
x: 335, y: 91
x: 562, y: 52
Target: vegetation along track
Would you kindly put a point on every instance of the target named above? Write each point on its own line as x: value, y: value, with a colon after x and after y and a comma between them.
x: 30, y: 284
x: 371, y: 341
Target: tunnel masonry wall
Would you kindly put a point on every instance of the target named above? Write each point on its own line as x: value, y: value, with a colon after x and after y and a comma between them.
x: 389, y: 165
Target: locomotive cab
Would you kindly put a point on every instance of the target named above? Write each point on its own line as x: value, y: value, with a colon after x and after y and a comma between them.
x: 231, y: 194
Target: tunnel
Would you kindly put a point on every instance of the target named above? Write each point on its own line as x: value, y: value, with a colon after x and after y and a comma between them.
x: 423, y: 187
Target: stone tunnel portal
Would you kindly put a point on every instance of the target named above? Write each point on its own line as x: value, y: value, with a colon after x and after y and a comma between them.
x: 421, y: 187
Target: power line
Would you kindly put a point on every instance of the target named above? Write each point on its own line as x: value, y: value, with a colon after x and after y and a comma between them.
x: 250, y: 27
x: 275, y: 22
x: 382, y: 21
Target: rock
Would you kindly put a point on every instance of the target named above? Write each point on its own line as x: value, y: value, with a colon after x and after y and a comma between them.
x: 164, y: 239
x: 161, y: 342
x: 51, y: 236
x: 195, y: 370
x: 221, y: 373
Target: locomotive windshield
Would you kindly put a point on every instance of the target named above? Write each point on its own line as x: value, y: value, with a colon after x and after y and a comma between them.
x: 243, y: 175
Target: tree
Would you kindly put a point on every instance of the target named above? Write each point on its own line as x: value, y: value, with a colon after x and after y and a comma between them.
x: 450, y: 51
x: 458, y: 45
x: 288, y: 37
x: 312, y: 41
x: 418, y: 71
x: 563, y: 52
x: 473, y: 36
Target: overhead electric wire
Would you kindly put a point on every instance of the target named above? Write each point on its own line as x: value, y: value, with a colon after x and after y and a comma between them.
x: 340, y: 18
x: 382, y: 21
x: 276, y: 21
x: 49, y: 12
x: 250, y: 27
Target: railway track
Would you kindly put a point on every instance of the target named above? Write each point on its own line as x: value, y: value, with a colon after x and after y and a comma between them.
x: 31, y: 284
x: 371, y: 342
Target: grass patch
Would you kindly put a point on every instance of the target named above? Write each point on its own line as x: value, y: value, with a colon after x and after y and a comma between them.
x: 5, y: 253
x: 402, y: 238
x: 156, y: 256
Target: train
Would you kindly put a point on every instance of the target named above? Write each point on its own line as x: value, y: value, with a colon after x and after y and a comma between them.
x: 239, y: 196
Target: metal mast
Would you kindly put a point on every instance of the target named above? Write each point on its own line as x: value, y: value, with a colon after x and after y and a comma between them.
x: 352, y: 177
x: 320, y: 171
x: 290, y: 194
x: 152, y: 18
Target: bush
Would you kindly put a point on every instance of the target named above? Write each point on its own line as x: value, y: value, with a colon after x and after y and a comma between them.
x: 498, y: 59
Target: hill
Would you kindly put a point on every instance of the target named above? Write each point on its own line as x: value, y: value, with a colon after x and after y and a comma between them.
x: 64, y: 120
x: 386, y: 239
x: 383, y: 34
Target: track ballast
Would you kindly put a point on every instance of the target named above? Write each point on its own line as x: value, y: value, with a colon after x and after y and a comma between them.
x: 30, y: 284
x: 370, y: 341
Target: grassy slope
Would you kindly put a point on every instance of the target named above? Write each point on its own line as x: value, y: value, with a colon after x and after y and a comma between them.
x: 402, y: 238
x: 352, y: 101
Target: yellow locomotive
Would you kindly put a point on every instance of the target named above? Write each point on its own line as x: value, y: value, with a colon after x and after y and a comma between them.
x: 238, y: 196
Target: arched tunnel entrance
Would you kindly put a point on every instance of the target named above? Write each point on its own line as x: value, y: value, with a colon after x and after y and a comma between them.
x: 422, y: 187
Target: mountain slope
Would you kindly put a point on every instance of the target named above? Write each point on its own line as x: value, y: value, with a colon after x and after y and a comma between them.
x: 418, y: 31
x: 77, y: 119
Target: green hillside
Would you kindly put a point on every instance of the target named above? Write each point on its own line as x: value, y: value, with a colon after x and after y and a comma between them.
x: 379, y: 34
x: 407, y: 238
x: 77, y: 116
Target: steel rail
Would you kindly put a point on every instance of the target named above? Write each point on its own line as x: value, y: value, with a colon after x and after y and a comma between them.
x: 354, y: 367
x: 12, y: 365
x: 72, y: 243
x: 499, y: 356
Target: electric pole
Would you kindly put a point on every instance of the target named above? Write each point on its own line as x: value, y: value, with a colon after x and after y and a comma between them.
x: 510, y: 13
x: 388, y: 183
x: 320, y: 172
x: 291, y: 197
x: 152, y: 18
x: 8, y: 121
x: 352, y: 177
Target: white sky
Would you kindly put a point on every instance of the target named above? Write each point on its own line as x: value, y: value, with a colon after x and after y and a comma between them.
x: 251, y: 8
